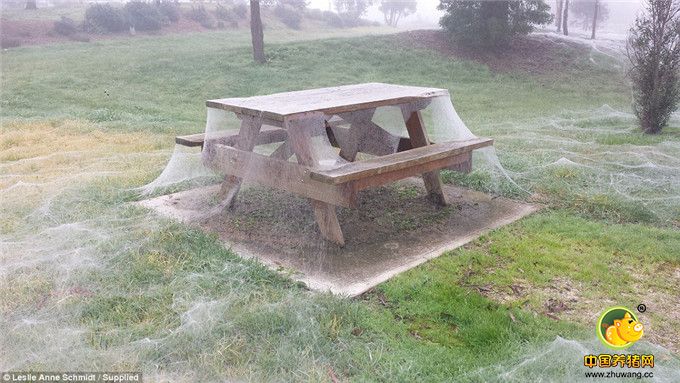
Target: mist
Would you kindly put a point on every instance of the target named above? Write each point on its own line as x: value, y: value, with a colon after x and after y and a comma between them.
x: 621, y: 15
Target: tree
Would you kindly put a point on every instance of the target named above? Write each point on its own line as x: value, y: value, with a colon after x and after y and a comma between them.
x: 395, y: 9
x: 565, y: 18
x: 300, y: 5
x: 588, y: 13
x: 256, y: 32
x: 352, y: 8
x: 654, y: 53
x: 596, y: 14
x: 558, y: 14
x: 31, y: 4
x: 491, y: 24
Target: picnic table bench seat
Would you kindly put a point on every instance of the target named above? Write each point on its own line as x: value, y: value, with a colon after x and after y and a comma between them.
x: 387, y: 168
x: 269, y: 135
x: 266, y: 136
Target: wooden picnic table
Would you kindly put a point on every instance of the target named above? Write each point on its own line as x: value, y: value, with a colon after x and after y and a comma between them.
x: 309, y: 124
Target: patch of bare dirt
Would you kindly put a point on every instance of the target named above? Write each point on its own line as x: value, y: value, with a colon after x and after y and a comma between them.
x: 663, y: 305
x: 395, y: 228
x: 564, y: 299
x: 534, y: 54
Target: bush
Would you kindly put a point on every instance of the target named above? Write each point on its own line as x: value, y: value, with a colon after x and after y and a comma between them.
x: 170, y: 10
x: 103, y: 18
x: 491, y: 24
x: 241, y: 11
x: 202, y: 16
x: 288, y: 15
x: 8, y: 42
x: 224, y: 13
x: 333, y: 19
x: 144, y: 16
x: 297, y: 4
x: 350, y: 21
x: 314, y: 13
x: 654, y: 53
x: 65, y: 26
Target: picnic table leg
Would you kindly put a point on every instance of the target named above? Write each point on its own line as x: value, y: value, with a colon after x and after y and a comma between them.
x: 418, y: 136
x: 365, y: 136
x: 350, y: 147
x: 300, y: 133
x: 247, y: 137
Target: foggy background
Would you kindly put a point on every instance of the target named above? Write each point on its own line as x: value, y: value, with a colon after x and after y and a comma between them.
x: 621, y: 14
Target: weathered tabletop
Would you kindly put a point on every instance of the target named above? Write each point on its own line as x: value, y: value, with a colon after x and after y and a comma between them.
x: 302, y: 115
x: 330, y: 101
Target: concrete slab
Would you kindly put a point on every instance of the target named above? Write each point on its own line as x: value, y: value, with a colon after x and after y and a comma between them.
x: 395, y: 229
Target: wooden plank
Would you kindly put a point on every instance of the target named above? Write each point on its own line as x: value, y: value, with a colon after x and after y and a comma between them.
x: 418, y: 136
x: 465, y: 166
x: 395, y: 175
x: 247, y: 139
x: 349, y: 143
x: 381, y: 144
x: 283, y: 152
x: 329, y: 101
x: 283, y: 175
x: 266, y: 136
x: 327, y: 219
x: 398, y: 161
x: 366, y: 136
x: 300, y: 132
x: 190, y: 140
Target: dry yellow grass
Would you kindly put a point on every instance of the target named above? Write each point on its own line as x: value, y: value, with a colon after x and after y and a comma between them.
x: 40, y: 159
x: 44, y: 153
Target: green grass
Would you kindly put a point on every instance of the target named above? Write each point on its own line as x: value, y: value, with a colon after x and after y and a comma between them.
x: 145, y: 293
x: 160, y: 83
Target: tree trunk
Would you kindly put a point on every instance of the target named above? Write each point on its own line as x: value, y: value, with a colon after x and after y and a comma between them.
x: 597, y: 6
x: 390, y: 19
x: 565, y: 18
x: 558, y: 15
x: 256, y: 31
x: 30, y: 4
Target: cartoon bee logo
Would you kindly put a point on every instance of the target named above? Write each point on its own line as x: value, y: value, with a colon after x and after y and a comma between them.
x: 618, y: 328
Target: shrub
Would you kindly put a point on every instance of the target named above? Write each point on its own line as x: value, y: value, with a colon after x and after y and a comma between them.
x: 202, y: 16
x: 170, y: 10
x: 297, y: 4
x: 144, y: 16
x: 65, y: 26
x: 8, y: 42
x: 224, y: 13
x: 491, y: 24
x: 288, y: 15
x: 103, y: 18
x: 654, y: 53
x: 333, y: 19
x: 241, y: 11
x: 350, y: 20
x: 314, y: 13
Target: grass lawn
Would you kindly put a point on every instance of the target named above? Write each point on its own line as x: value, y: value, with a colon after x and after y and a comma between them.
x: 93, y: 283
